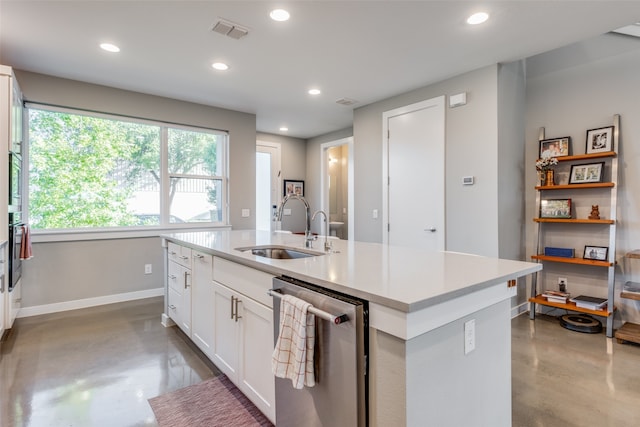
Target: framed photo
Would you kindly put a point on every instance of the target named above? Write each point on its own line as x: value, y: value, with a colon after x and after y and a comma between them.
x: 583, y: 174
x: 555, y: 208
x: 293, y: 187
x: 599, y: 140
x: 556, y: 147
x: 598, y: 253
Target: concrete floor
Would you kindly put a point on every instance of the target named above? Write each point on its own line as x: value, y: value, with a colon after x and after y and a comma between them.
x: 98, y: 367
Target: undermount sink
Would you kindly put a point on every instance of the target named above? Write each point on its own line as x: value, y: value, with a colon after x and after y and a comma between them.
x: 279, y: 252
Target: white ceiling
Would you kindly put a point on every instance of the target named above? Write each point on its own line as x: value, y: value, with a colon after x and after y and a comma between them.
x: 364, y: 50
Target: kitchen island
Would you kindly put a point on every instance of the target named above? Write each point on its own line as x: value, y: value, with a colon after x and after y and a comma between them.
x: 439, y: 322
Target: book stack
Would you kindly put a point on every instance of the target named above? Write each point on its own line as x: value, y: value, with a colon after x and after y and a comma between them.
x: 591, y: 303
x: 556, y: 296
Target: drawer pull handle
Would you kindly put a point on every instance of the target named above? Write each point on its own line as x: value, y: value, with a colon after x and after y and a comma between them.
x: 172, y: 277
x: 183, y: 257
x: 198, y: 256
x: 172, y: 307
x: 186, y: 281
x: 172, y: 252
x: 236, y: 304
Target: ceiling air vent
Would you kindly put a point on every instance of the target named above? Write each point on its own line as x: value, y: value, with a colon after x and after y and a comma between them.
x: 346, y: 101
x: 230, y: 29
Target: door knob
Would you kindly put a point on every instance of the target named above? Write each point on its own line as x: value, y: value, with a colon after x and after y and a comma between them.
x: 432, y: 229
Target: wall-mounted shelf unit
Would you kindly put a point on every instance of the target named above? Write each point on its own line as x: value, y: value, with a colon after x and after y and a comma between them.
x: 630, y: 290
x: 547, y: 226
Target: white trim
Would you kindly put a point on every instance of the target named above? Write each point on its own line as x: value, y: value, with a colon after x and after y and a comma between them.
x: 89, y: 302
x: 519, y: 310
x: 324, y: 194
x: 278, y: 165
x: 439, y: 102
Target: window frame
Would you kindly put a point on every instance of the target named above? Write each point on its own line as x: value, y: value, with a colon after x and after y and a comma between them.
x: 93, y: 233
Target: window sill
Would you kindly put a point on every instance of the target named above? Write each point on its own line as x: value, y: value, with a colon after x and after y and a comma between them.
x: 49, y: 236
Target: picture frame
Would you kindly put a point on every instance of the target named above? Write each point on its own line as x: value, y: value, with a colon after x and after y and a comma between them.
x: 597, y: 253
x: 556, y: 147
x: 599, y: 140
x: 586, y: 173
x: 293, y: 187
x: 555, y: 208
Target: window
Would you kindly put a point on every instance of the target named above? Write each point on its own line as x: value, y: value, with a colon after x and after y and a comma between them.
x: 98, y: 171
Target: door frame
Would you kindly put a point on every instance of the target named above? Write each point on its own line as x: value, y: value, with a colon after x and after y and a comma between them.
x: 278, y: 164
x: 439, y: 102
x: 324, y: 185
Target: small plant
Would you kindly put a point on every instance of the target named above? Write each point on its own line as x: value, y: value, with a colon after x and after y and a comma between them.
x: 546, y: 162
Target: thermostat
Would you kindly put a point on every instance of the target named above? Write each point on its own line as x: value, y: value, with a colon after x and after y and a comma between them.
x: 467, y: 180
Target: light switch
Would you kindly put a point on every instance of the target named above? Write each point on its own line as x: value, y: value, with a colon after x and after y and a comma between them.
x: 246, y: 213
x: 375, y: 214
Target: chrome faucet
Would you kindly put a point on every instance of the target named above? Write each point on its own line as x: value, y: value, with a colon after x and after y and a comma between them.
x: 308, y: 238
x: 327, y: 245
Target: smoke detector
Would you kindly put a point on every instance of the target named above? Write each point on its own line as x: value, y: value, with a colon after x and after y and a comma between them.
x: 346, y: 101
x: 229, y: 29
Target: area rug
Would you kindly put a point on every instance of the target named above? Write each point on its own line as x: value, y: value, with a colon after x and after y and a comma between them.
x: 214, y: 402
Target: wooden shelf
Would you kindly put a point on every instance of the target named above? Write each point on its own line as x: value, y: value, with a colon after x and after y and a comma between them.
x: 576, y: 186
x: 628, y: 332
x: 570, y: 306
x: 586, y: 156
x: 576, y: 221
x: 631, y: 290
x: 568, y: 260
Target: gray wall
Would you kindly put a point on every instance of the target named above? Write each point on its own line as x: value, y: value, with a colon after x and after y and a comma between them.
x: 471, y: 149
x: 569, y: 91
x: 71, y: 270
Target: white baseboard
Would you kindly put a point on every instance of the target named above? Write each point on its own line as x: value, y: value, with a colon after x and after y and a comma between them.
x: 519, y: 309
x: 88, y: 302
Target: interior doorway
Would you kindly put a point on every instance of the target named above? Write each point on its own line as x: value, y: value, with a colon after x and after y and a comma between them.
x: 337, y: 186
x: 413, y: 189
x: 267, y: 184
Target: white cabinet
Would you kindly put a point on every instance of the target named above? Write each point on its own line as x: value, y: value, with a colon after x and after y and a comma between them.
x: 179, y: 293
x: 243, y: 338
x: 202, y: 302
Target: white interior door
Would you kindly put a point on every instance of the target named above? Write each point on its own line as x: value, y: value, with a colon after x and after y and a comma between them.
x: 414, y: 211
x: 267, y: 184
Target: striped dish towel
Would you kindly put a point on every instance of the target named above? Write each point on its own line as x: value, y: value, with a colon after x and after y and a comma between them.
x: 293, y: 356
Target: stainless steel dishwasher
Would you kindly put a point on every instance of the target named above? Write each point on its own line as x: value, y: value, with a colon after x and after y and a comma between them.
x: 340, y: 395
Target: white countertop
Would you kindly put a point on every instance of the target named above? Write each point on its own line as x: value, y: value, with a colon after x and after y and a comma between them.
x: 402, y: 278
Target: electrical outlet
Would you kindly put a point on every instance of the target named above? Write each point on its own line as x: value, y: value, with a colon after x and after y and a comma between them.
x: 147, y: 269
x: 562, y: 284
x: 469, y: 336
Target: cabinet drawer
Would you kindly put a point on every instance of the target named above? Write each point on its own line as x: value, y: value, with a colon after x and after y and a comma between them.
x: 179, y: 254
x: 178, y: 277
x: 245, y: 280
x: 174, y: 301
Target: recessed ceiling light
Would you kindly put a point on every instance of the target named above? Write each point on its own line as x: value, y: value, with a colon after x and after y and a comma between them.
x: 314, y: 92
x: 279, y: 15
x: 220, y: 66
x: 477, y: 18
x: 109, y: 47
x: 284, y: 129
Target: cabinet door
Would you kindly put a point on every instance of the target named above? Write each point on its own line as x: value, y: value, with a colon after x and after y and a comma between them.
x: 202, y: 303
x: 256, y: 346
x: 225, y: 340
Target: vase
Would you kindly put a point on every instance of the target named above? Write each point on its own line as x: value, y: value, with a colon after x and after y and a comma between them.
x: 548, y: 178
